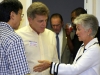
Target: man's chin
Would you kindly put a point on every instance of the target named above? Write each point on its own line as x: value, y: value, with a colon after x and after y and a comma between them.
x: 16, y: 28
x: 56, y: 31
x: 42, y: 31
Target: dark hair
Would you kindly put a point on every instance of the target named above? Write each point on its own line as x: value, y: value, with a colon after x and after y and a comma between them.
x: 7, y: 6
x: 56, y: 15
x: 79, y: 11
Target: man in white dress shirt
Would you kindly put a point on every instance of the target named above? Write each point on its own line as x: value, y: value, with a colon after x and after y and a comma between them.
x: 39, y: 42
x: 65, y: 55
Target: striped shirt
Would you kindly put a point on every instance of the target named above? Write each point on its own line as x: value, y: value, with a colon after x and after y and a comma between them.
x: 12, y: 53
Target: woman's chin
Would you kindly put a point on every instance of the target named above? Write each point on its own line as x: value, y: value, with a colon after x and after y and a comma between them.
x: 79, y: 39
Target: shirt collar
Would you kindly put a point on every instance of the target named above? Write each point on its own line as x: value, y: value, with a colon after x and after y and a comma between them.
x: 6, y: 25
x: 61, y: 32
x: 30, y: 29
x: 91, y: 43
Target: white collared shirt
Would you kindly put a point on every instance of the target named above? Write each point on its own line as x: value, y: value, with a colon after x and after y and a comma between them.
x: 60, y: 41
x: 38, y: 47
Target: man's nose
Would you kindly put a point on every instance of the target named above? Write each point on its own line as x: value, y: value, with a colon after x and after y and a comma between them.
x: 55, y: 27
x: 44, y: 23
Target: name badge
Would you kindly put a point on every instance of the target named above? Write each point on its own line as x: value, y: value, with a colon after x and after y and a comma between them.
x: 33, y: 43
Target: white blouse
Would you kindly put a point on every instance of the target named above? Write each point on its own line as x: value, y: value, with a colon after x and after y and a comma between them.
x: 86, y: 62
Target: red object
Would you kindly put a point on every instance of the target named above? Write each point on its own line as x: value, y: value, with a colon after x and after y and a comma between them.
x: 71, y: 28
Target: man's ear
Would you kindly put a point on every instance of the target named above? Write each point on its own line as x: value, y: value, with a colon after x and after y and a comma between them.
x: 12, y: 14
x: 30, y: 20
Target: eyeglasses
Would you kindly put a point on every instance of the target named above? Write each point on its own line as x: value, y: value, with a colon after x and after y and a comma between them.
x: 22, y: 15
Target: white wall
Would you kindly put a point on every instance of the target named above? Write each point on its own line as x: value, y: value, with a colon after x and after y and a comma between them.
x: 26, y: 4
x: 93, y: 7
x: 98, y: 10
x: 1, y: 0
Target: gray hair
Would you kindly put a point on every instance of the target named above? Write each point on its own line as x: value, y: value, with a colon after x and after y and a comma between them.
x: 88, y: 22
x: 37, y: 8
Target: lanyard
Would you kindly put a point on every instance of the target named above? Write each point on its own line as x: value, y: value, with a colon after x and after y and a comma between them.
x: 85, y: 50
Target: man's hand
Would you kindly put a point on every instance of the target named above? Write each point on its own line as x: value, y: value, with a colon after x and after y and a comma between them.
x: 68, y: 31
x: 44, y: 64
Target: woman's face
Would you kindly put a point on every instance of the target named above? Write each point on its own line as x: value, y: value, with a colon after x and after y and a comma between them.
x: 82, y: 33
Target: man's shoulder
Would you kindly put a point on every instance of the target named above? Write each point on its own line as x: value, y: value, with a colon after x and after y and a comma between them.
x: 63, y: 30
x: 10, y: 38
x: 23, y: 29
x: 48, y: 31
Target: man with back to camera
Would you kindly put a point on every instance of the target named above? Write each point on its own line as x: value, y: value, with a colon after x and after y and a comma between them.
x: 12, y: 54
x: 40, y: 43
x: 64, y: 53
